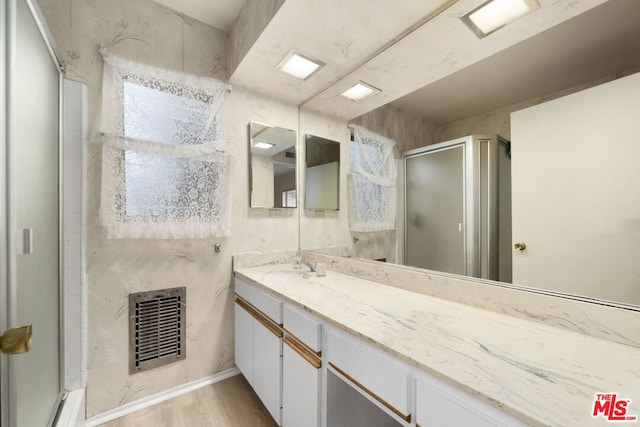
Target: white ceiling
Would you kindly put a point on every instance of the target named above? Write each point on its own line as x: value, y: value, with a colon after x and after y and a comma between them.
x: 220, y: 14
x: 601, y: 42
x: 437, y: 49
x: 440, y: 69
x: 341, y: 33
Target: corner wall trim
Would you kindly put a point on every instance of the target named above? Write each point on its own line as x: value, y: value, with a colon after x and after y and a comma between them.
x: 163, y: 396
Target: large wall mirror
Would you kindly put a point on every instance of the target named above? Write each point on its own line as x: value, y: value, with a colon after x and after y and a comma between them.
x: 322, y: 173
x: 479, y: 99
x: 272, y: 166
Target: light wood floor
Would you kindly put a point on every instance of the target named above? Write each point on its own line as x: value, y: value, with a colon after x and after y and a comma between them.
x: 231, y: 402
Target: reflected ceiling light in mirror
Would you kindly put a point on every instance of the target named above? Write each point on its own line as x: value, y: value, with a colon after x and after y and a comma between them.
x: 263, y: 145
x: 299, y: 66
x: 495, y: 14
x: 360, y: 91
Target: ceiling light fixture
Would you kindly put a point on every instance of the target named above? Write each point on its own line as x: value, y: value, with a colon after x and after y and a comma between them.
x: 299, y: 66
x: 263, y: 145
x: 495, y: 14
x: 360, y: 91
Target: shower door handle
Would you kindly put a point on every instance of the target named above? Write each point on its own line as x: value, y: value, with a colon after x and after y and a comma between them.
x: 25, y: 241
x: 16, y: 340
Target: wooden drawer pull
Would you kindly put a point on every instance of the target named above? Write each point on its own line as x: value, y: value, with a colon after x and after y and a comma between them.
x: 306, y: 355
x: 260, y: 317
x: 393, y: 409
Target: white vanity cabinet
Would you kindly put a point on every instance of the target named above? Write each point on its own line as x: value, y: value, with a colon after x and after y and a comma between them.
x: 310, y: 373
x: 258, y: 344
x: 301, y: 361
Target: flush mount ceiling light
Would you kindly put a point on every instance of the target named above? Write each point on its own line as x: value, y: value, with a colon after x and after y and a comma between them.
x: 263, y: 145
x: 299, y: 66
x: 360, y: 91
x: 495, y: 14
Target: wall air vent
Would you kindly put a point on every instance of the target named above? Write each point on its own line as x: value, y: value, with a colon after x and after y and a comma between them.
x: 157, y: 323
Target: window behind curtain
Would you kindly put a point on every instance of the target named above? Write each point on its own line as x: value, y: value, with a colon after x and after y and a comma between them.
x: 165, y: 171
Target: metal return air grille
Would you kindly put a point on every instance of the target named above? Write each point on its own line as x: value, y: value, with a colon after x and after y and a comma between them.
x: 156, y: 328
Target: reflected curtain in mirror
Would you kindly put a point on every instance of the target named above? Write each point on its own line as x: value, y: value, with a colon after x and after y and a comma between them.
x: 373, y: 180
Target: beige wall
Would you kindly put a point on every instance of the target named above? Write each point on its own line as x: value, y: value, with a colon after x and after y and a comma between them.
x: 407, y: 130
x: 147, y: 32
x: 325, y: 229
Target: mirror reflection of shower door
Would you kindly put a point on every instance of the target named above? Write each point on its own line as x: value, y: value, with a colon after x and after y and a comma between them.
x: 435, y: 210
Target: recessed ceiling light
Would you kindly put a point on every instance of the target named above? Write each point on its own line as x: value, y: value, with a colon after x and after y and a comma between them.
x: 263, y: 145
x: 298, y: 65
x: 360, y: 91
x: 495, y: 14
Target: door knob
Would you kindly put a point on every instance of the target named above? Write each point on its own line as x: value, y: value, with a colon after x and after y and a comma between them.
x: 16, y: 340
x: 520, y: 246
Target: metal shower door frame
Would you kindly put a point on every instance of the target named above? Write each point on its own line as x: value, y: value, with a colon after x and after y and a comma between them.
x: 472, y: 200
x: 8, y: 231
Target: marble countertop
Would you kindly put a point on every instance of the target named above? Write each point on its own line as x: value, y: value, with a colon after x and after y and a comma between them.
x: 537, y: 373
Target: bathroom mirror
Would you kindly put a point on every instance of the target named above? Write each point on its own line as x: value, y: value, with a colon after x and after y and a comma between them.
x: 272, y: 166
x: 479, y: 99
x: 322, y: 173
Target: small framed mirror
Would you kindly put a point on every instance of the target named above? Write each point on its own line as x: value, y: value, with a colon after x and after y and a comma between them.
x: 322, y: 173
x: 272, y: 166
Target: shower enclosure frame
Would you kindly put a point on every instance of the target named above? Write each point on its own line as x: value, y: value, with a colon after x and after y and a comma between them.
x: 8, y: 283
x: 479, y: 200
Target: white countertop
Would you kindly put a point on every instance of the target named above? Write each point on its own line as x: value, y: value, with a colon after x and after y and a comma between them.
x: 540, y: 374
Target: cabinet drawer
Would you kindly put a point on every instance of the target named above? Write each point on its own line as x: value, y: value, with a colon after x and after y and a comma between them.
x: 303, y: 327
x: 270, y: 306
x: 376, y: 375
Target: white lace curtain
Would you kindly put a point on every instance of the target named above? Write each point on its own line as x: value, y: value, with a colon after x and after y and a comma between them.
x: 373, y: 181
x: 165, y: 173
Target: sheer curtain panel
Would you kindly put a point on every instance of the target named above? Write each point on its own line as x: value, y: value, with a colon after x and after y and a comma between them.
x: 165, y: 171
x: 373, y: 182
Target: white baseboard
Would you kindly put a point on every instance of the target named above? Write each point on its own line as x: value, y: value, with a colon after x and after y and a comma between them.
x: 163, y: 396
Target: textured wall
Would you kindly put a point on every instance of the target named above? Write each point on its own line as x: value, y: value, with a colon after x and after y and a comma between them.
x: 407, y: 130
x: 262, y: 181
x: 253, y: 18
x: 326, y: 229
x: 152, y: 34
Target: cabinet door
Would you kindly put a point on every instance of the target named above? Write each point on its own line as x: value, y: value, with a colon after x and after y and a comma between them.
x: 244, y: 342
x: 267, y: 369
x: 441, y: 405
x: 300, y: 390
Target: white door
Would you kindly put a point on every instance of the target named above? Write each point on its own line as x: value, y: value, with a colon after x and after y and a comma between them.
x: 435, y: 210
x: 31, y: 281
x: 575, y: 176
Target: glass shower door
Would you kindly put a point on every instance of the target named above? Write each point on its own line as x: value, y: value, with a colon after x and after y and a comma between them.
x: 33, y: 258
x: 435, y: 210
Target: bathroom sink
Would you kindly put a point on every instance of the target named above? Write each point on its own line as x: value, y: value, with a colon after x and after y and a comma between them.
x: 288, y: 275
